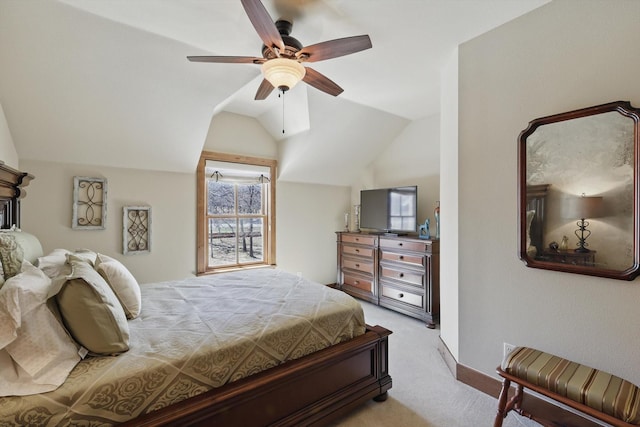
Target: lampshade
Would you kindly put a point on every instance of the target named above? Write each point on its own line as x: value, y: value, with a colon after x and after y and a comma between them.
x: 582, y: 207
x: 283, y: 73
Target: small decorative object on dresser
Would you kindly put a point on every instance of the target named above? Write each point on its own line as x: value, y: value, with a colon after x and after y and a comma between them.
x: 89, y: 203
x: 564, y: 243
x: 346, y: 221
x: 424, y: 232
x: 400, y: 273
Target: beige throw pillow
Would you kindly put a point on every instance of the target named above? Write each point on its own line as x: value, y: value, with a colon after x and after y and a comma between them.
x: 91, y: 311
x: 31, y: 247
x: 122, y: 282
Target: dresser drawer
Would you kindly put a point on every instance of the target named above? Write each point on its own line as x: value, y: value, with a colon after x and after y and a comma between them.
x: 417, y: 260
x: 358, y: 282
x: 359, y: 239
x: 411, y: 277
x: 363, y: 266
x: 403, y: 296
x: 404, y: 244
x: 359, y: 251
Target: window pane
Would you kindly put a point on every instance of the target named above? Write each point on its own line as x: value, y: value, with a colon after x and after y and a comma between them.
x: 250, y: 240
x: 249, y: 199
x: 222, y: 242
x: 401, y: 209
x: 221, y: 199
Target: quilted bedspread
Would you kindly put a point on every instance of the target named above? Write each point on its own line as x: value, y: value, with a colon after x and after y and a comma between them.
x: 193, y: 335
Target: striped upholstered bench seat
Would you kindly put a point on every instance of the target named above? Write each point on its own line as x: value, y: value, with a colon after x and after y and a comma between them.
x: 591, y: 391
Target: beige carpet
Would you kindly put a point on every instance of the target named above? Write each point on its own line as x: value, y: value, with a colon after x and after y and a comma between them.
x: 424, y: 392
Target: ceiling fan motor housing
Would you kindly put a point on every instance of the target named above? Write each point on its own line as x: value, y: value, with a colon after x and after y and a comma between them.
x: 291, y: 44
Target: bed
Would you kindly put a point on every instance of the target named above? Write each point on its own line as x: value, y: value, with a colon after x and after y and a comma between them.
x: 304, y: 373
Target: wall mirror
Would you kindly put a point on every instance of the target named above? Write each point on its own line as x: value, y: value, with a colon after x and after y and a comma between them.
x: 578, y: 191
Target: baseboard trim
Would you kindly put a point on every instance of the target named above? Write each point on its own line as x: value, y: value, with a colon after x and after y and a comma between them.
x: 448, y: 358
x: 533, y: 404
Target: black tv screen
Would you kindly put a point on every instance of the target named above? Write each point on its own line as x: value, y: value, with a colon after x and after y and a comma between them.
x: 389, y: 209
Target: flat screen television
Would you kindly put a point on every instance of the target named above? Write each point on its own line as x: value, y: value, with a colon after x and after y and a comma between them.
x: 389, y: 210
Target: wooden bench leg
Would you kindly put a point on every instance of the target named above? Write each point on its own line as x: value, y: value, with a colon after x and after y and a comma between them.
x: 502, y: 403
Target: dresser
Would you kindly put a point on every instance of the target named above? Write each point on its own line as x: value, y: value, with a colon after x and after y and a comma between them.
x: 569, y: 257
x: 400, y: 273
x: 358, y: 265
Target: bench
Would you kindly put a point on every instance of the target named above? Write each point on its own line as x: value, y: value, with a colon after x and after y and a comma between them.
x: 591, y: 391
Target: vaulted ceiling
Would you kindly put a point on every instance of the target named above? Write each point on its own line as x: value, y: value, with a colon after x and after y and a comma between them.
x: 107, y: 81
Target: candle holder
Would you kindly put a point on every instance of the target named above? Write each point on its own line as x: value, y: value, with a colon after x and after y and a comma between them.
x: 436, y: 214
x: 356, y: 218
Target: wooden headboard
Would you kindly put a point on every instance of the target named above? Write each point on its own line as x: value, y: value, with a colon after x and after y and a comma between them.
x: 536, y: 196
x: 12, y: 182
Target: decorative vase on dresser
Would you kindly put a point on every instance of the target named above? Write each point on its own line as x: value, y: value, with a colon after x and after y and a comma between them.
x: 401, y: 273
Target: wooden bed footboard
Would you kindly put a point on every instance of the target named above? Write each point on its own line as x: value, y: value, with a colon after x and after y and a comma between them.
x: 312, y: 390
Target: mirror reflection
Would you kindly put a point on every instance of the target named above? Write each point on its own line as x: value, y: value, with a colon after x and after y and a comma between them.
x: 577, y: 177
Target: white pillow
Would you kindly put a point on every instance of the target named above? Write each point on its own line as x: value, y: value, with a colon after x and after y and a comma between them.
x: 36, y: 353
x: 55, y: 263
x: 122, y: 282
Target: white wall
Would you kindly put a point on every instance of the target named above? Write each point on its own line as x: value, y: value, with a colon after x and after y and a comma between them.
x: 47, y: 209
x: 307, y: 215
x: 237, y: 134
x: 449, y: 206
x: 563, y: 56
x: 8, y: 152
x: 413, y: 158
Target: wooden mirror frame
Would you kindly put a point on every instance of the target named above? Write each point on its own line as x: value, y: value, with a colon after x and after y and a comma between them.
x: 533, y: 196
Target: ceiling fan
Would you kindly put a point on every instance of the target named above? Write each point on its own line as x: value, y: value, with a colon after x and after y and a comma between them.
x: 283, y: 55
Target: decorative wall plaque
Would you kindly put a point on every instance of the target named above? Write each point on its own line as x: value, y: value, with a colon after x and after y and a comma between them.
x: 89, y: 203
x: 136, y: 230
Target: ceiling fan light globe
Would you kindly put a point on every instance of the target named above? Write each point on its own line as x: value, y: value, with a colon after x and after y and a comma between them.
x: 283, y: 72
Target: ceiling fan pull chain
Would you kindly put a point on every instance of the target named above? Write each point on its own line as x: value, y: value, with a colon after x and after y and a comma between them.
x: 282, y: 94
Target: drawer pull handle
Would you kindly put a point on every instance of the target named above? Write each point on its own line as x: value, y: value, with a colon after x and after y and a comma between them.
x: 357, y: 265
x: 357, y: 250
x: 401, y: 257
x: 401, y: 295
x: 356, y: 282
x: 400, y: 244
x: 401, y: 275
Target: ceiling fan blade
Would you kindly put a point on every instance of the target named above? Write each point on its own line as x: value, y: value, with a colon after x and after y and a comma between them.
x: 264, y: 90
x: 334, y: 48
x: 227, y: 59
x: 321, y: 82
x: 263, y: 24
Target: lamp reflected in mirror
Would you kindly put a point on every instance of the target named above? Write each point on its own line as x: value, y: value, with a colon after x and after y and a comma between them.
x: 584, y: 208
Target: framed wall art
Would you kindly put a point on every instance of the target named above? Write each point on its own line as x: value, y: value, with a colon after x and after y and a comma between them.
x: 136, y: 230
x: 89, y: 203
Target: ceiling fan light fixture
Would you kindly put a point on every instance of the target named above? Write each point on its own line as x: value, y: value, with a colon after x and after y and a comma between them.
x: 283, y: 73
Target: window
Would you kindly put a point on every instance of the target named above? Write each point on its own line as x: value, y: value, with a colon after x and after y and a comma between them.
x: 236, y: 212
